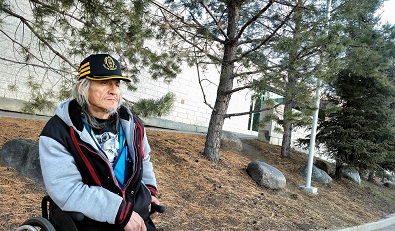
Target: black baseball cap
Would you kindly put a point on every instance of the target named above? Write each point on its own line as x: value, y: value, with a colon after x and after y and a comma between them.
x: 101, y: 67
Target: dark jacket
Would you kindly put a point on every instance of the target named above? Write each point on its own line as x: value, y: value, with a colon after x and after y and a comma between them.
x: 78, y: 177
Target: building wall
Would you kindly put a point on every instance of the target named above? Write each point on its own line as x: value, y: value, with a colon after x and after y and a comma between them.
x: 16, y: 77
x: 189, y: 107
x: 270, y: 132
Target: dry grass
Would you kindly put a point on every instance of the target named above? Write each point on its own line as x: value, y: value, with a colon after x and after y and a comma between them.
x: 202, y: 195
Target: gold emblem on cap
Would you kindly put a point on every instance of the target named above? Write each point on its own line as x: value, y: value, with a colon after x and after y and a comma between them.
x: 109, y: 63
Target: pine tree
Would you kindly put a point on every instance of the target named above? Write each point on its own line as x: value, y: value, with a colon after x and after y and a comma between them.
x: 264, y: 46
x: 360, y: 131
x: 300, y: 50
x: 234, y: 36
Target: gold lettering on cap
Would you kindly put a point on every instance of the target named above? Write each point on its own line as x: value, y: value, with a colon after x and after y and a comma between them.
x: 109, y: 63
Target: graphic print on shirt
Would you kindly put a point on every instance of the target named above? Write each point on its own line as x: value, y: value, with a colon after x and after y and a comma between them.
x: 109, y: 143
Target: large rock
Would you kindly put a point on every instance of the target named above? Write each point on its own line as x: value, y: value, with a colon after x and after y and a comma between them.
x: 231, y: 142
x: 22, y: 154
x: 388, y: 178
x: 317, y: 175
x: 390, y: 185
x: 266, y: 175
x: 323, y: 165
x: 352, y: 174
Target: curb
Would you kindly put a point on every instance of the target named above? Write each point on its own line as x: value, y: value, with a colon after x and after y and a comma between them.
x: 384, y: 223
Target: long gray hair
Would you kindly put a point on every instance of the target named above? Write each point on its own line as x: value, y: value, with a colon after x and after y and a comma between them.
x: 81, y: 93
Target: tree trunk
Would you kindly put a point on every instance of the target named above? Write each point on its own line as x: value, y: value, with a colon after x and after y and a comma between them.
x: 213, y: 139
x: 338, y: 171
x: 290, y: 91
x: 287, y: 126
x: 371, y: 176
x: 290, y: 95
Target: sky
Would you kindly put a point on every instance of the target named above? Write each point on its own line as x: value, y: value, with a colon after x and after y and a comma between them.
x: 389, y: 12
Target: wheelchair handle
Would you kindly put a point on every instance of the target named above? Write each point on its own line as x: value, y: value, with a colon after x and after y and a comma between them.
x: 77, y: 216
x: 157, y: 208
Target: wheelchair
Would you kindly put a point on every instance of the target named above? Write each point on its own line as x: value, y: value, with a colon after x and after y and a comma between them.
x: 54, y: 219
x: 46, y: 222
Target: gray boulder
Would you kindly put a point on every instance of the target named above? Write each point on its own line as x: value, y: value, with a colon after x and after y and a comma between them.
x: 389, y: 184
x: 266, y: 175
x: 323, y: 165
x: 317, y: 175
x: 386, y: 179
x: 22, y: 154
x: 352, y: 174
x: 231, y: 142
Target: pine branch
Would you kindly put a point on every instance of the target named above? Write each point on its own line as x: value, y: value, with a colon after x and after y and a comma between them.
x: 162, y: 7
x: 238, y: 89
x: 215, y: 38
x: 255, y: 111
x: 25, y: 22
x: 53, y: 9
x: 215, y: 20
x: 46, y: 66
x: 33, y: 65
x: 268, y: 38
x: 201, y: 87
x: 253, y: 19
x: 193, y: 44
x: 196, y: 22
x: 257, y: 71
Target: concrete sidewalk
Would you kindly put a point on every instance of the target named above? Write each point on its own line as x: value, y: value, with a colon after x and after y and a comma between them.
x: 22, y: 115
x: 387, y: 224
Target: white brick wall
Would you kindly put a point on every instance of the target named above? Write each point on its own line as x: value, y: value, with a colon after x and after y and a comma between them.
x: 189, y: 107
x: 12, y: 73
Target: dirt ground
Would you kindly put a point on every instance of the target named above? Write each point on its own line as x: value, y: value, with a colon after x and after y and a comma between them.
x: 202, y: 195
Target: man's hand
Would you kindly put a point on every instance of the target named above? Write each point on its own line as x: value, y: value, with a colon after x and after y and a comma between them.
x: 136, y: 223
x: 156, y: 201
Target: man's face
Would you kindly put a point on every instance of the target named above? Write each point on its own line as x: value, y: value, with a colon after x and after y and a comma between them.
x: 103, y: 97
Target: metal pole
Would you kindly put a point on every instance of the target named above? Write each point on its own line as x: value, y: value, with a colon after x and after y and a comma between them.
x: 315, y: 118
x: 313, y: 133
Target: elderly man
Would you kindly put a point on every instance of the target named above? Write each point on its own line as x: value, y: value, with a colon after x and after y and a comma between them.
x: 95, y: 156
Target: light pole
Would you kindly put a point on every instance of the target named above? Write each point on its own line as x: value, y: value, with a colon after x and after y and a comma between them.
x: 308, y: 186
